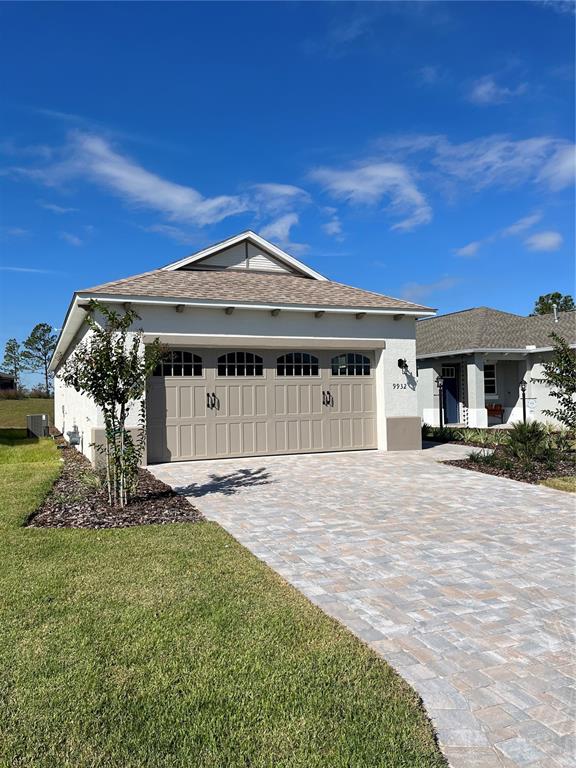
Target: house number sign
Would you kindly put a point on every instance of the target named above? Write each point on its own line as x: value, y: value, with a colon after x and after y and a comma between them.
x: 399, y: 386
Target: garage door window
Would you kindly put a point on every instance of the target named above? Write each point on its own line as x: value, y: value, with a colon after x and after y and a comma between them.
x: 297, y: 364
x: 179, y: 363
x: 351, y: 364
x: 240, y: 364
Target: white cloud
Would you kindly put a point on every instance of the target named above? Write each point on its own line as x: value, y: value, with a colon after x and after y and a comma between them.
x: 522, y: 225
x: 333, y: 227
x: 560, y: 170
x: 59, y: 209
x: 431, y: 74
x: 370, y: 183
x: 279, y: 230
x: 273, y: 198
x: 71, y: 239
x: 469, y: 250
x: 15, y: 231
x: 28, y: 269
x: 93, y: 157
x: 544, y: 241
x: 169, y: 230
x: 420, y: 291
x: 486, y: 91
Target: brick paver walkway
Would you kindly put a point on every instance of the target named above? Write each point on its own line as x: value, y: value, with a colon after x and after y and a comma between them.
x: 462, y: 581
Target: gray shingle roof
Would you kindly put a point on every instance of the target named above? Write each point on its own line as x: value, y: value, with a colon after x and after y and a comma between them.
x: 485, y: 328
x: 251, y: 288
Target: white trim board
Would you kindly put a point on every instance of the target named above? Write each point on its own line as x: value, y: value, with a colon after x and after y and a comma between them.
x: 256, y: 240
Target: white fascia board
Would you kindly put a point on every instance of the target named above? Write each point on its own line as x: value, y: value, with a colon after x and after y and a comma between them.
x: 223, y: 340
x: 206, y: 304
x: 72, y: 324
x: 489, y: 350
x: 260, y: 241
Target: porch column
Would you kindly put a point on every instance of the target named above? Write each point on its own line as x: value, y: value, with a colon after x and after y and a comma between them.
x: 477, y: 413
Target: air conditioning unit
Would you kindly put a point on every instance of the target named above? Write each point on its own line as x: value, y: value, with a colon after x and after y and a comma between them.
x: 37, y: 425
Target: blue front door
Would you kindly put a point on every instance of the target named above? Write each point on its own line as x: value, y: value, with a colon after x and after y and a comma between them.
x: 451, y: 400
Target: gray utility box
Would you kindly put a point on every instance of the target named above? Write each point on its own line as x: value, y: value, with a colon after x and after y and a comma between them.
x: 37, y: 425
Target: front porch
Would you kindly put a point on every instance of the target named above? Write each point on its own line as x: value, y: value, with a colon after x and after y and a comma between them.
x: 481, y: 389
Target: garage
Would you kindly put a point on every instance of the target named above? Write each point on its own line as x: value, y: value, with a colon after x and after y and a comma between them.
x: 205, y: 404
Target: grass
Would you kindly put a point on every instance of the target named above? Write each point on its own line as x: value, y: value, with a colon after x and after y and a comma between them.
x: 172, y: 646
x: 13, y: 412
x: 561, y: 483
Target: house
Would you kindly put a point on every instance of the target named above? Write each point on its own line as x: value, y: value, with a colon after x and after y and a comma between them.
x: 266, y: 356
x: 482, y: 356
x: 7, y: 381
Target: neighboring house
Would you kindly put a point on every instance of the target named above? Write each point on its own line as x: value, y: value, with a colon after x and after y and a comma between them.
x: 266, y: 357
x: 483, y: 355
x: 7, y: 381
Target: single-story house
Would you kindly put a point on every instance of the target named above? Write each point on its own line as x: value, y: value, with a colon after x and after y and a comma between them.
x: 482, y: 356
x: 7, y: 381
x: 266, y: 356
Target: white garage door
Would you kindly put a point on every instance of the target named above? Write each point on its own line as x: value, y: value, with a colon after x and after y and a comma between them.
x: 212, y: 404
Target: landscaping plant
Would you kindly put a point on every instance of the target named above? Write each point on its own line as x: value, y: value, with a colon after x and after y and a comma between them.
x: 111, y: 367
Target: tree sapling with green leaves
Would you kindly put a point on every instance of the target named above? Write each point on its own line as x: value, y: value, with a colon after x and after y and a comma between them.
x: 559, y: 374
x: 111, y: 367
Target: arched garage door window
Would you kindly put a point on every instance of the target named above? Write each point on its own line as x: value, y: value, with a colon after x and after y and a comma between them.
x: 351, y: 364
x: 240, y: 364
x: 179, y: 363
x: 297, y: 364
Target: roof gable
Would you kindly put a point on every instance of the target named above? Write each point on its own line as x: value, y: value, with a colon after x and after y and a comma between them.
x: 246, y: 251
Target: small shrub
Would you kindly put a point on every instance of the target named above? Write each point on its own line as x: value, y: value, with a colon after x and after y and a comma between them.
x: 529, y: 442
x: 10, y: 394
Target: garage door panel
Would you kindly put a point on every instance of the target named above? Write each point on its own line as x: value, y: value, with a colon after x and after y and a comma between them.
x: 272, y: 413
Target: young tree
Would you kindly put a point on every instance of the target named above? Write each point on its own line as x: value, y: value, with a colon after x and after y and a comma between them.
x: 111, y: 367
x: 38, y: 350
x: 12, y: 363
x: 543, y: 305
x: 560, y: 376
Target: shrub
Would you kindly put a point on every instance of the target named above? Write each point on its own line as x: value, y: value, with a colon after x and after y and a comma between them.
x: 530, y: 442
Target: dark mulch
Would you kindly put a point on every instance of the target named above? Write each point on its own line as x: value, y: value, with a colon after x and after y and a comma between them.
x: 535, y: 474
x: 79, y: 500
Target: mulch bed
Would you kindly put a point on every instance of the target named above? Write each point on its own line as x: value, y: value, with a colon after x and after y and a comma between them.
x: 79, y: 500
x: 539, y: 472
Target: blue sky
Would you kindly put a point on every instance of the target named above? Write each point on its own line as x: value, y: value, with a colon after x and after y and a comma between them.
x: 422, y: 150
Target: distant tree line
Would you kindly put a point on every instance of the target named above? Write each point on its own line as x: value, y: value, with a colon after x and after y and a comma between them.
x: 544, y: 304
x: 31, y: 356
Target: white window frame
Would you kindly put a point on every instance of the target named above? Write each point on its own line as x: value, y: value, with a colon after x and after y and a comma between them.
x: 494, y: 378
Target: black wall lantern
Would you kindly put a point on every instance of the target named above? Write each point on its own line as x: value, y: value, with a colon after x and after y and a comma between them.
x: 402, y: 364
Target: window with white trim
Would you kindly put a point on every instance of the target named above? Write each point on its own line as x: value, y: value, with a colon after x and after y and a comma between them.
x: 351, y: 364
x: 178, y: 362
x: 490, y: 379
x: 240, y: 364
x: 297, y: 364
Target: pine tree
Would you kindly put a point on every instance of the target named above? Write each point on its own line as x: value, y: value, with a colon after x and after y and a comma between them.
x: 543, y: 305
x: 38, y: 350
x: 12, y: 363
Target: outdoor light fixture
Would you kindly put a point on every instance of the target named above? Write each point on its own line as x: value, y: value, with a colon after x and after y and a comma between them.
x: 402, y: 364
x: 440, y: 385
x: 523, y: 392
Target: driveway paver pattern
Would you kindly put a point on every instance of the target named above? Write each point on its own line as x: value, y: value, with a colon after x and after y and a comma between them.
x: 463, y: 582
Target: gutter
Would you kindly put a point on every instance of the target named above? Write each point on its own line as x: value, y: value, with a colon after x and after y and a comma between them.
x: 484, y: 350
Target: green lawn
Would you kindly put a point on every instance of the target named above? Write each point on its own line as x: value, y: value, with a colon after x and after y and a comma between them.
x: 172, y: 646
x: 13, y: 412
x: 561, y: 483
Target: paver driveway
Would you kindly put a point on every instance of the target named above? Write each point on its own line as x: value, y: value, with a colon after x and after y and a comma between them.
x: 462, y: 581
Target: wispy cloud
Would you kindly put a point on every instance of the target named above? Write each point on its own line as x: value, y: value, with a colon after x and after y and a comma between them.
x: 71, y: 239
x: 560, y: 6
x: 544, y: 241
x: 333, y: 228
x: 420, y: 291
x: 272, y: 198
x: 560, y: 170
x: 15, y: 232
x: 280, y: 229
x: 523, y: 224
x: 371, y: 183
x: 514, y: 230
x: 59, y: 209
x: 431, y: 74
x: 469, y: 250
x: 486, y: 91
x: 28, y: 269
x: 169, y: 230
